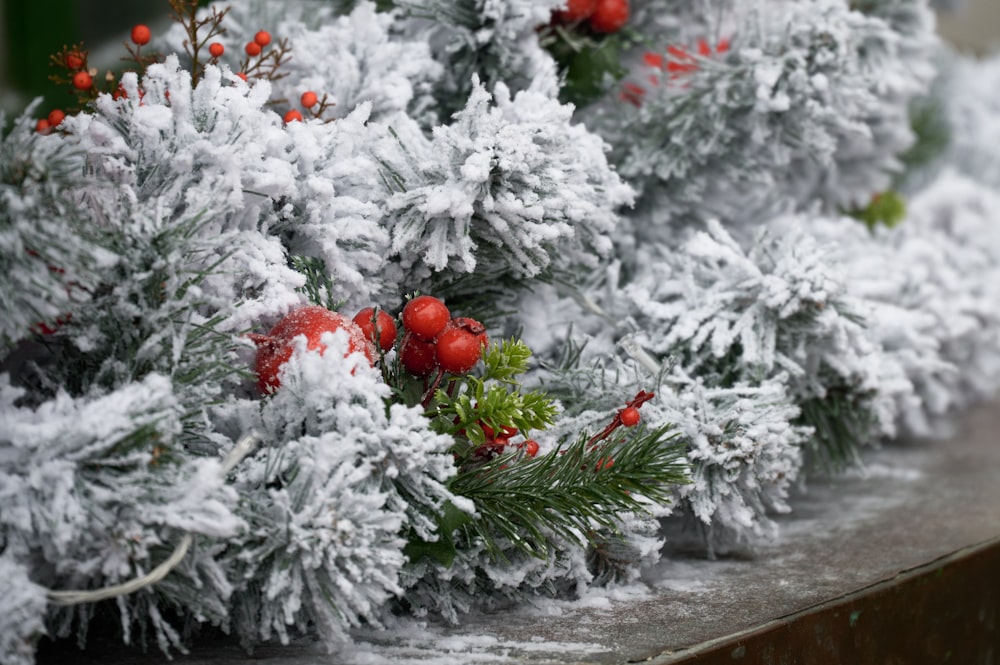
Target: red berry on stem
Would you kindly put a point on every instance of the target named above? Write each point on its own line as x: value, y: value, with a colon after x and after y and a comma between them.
x: 379, y: 328
x: 293, y: 116
x: 425, y: 317
x: 309, y: 99
x: 242, y: 75
x: 82, y: 81
x: 215, y: 49
x: 609, y: 16
x: 275, y: 348
x: 417, y: 355
x: 630, y: 416
x: 74, y: 60
x: 460, y: 345
x: 141, y: 34
x: 252, y: 49
x: 262, y: 38
x: 56, y: 116
x: 576, y: 10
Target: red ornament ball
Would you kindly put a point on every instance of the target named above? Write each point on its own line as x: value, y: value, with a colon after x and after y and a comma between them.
x: 576, y: 10
x: 216, y: 49
x: 417, y: 355
x: 262, y: 38
x: 609, y: 16
x: 630, y: 416
x: 253, y: 49
x: 425, y: 317
x: 377, y: 327
x: 82, y: 81
x: 460, y: 345
x: 309, y: 99
x: 141, y: 34
x: 275, y: 348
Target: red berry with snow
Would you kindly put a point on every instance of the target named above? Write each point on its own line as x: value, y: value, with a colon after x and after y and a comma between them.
x: 630, y: 416
x: 275, y: 348
x: 309, y: 99
x: 378, y: 327
x: 609, y: 16
x: 293, y: 116
x: 56, y: 116
x: 460, y: 345
x: 216, y: 49
x: 425, y: 317
x: 82, y: 81
x: 262, y: 38
x: 417, y: 355
x: 576, y: 10
x: 141, y: 34
x: 42, y: 125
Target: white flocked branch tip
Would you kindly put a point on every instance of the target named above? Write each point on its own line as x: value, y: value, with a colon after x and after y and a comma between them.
x: 235, y: 456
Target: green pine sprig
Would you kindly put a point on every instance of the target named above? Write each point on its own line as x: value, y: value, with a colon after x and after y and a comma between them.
x: 573, y: 494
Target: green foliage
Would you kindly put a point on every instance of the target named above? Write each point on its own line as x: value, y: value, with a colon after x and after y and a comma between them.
x: 571, y: 493
x: 588, y: 62
x: 888, y: 208
x: 319, y: 284
x: 468, y: 402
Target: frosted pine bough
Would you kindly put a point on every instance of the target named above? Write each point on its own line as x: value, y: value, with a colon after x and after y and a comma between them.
x: 168, y: 222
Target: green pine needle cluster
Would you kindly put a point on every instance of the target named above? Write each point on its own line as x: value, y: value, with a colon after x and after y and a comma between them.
x: 574, y: 493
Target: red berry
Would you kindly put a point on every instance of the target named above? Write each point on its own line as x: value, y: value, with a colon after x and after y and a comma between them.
x: 417, y: 355
x: 605, y: 463
x: 42, y: 125
x: 56, y: 116
x: 460, y: 345
x: 576, y: 10
x: 275, y: 348
x: 141, y: 34
x: 309, y: 99
x: 630, y: 416
x: 379, y: 328
x: 609, y: 16
x: 530, y: 447
x: 253, y: 49
x: 82, y: 81
x: 74, y: 60
x: 293, y: 116
x: 262, y: 38
x: 425, y: 317
x: 215, y: 49
x: 242, y: 75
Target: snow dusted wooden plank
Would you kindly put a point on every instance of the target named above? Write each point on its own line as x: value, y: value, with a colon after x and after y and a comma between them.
x: 914, y: 503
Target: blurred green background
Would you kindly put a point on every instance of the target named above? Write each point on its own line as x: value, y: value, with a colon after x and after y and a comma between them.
x: 32, y: 30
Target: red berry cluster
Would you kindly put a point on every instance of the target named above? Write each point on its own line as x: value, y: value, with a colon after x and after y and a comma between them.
x: 602, y: 16
x: 312, y: 103
x: 677, y: 63
x: 497, y: 443
x: 433, y: 340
